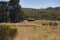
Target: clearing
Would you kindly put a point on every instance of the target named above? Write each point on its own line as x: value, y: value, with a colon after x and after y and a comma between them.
x: 36, y: 31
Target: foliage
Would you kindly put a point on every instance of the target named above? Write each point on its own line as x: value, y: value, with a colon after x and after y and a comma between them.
x: 3, y: 12
x: 6, y: 32
x: 11, y: 11
x: 47, y: 14
x: 16, y: 14
x: 53, y: 24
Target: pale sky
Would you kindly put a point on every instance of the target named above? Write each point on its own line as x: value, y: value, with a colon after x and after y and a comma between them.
x: 38, y: 3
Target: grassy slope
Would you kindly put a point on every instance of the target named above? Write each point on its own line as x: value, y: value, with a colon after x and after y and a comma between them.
x: 35, y: 31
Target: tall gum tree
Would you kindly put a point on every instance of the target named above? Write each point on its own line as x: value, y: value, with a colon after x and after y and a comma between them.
x: 16, y: 14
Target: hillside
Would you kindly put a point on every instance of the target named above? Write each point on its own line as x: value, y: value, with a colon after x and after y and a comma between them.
x: 50, y: 8
x: 47, y: 13
x: 27, y: 9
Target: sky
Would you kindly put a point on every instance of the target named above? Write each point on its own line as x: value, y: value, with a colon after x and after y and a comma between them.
x: 38, y: 3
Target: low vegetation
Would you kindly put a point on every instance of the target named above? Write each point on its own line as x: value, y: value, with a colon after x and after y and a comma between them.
x: 36, y: 31
x: 53, y: 24
x: 7, y: 33
x: 45, y: 14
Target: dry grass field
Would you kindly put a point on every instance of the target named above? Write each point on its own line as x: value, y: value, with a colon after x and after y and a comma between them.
x: 36, y: 31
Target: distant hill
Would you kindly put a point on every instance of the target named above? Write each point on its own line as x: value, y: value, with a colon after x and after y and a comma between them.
x: 49, y: 13
x: 49, y: 8
x: 28, y: 9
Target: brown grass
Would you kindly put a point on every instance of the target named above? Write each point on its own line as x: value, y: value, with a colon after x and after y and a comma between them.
x: 34, y: 31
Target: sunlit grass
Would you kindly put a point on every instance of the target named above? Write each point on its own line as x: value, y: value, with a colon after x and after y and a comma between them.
x: 31, y: 30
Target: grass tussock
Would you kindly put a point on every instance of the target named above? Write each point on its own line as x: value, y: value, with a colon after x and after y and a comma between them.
x: 7, y: 33
x: 36, y: 31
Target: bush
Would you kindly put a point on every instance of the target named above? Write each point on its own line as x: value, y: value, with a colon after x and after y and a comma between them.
x: 53, y: 24
x: 50, y: 23
x: 7, y: 33
x: 45, y: 24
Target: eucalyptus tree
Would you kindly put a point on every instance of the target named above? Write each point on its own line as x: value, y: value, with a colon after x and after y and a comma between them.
x: 3, y: 11
x: 15, y: 11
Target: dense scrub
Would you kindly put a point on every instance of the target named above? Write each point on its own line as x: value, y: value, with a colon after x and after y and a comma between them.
x: 45, y: 14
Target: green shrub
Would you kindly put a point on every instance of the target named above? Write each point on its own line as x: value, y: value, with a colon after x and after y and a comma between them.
x: 45, y: 24
x: 50, y: 23
x: 7, y: 33
x: 53, y: 24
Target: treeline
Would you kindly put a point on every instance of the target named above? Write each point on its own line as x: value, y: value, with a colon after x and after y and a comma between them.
x: 47, y: 14
x: 11, y: 11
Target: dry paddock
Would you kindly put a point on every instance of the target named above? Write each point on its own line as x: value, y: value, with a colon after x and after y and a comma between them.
x: 30, y: 31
